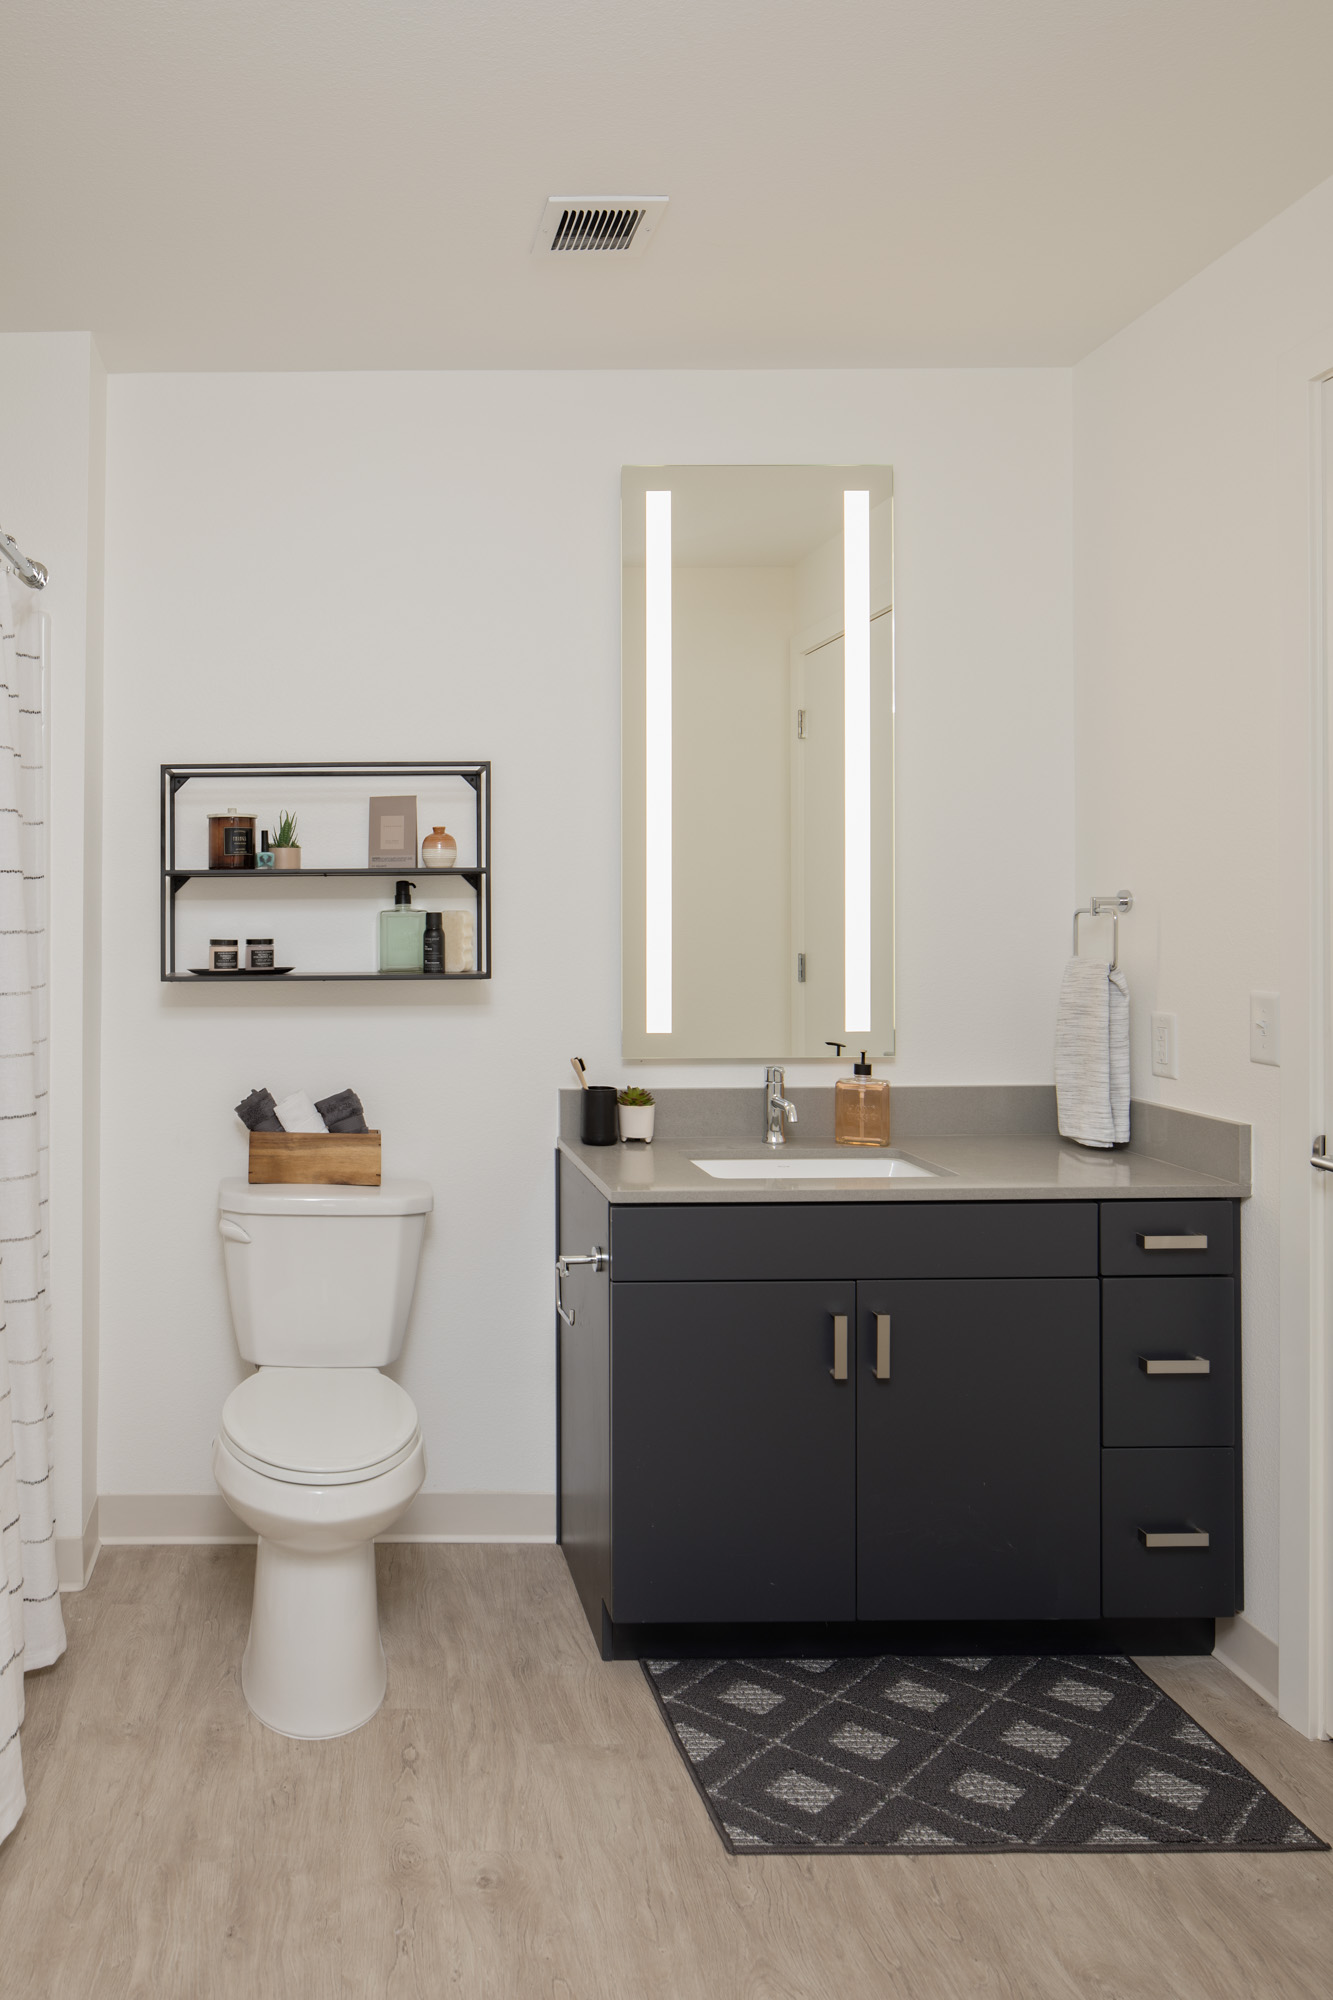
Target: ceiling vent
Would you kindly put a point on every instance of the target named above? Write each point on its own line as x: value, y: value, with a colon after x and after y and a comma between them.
x: 598, y: 225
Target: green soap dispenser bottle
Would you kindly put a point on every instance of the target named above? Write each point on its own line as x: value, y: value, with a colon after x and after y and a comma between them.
x: 401, y: 932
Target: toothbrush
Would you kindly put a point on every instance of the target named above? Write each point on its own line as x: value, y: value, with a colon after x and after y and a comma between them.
x: 576, y: 1064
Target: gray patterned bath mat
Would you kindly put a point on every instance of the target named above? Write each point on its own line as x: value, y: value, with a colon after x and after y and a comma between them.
x: 904, y: 1755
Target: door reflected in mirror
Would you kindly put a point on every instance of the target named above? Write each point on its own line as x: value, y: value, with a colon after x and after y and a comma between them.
x: 757, y: 706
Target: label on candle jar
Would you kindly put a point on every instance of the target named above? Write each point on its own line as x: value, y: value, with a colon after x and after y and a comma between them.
x: 236, y: 839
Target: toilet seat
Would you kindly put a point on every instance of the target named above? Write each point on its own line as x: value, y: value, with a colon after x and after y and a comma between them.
x: 320, y: 1426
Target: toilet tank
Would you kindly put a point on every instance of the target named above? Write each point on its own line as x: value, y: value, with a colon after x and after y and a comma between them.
x: 321, y: 1277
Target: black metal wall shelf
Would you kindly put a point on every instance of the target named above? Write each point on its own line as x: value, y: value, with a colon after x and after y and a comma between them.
x: 379, y: 777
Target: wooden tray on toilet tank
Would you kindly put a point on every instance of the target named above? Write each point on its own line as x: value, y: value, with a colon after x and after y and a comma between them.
x: 321, y: 1159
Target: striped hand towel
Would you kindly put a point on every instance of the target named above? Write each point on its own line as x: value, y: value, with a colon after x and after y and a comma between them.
x: 1092, y: 1054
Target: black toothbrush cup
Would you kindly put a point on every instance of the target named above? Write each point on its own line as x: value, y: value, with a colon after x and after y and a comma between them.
x: 599, y: 1126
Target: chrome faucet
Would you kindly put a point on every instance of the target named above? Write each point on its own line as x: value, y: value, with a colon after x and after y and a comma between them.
x: 777, y: 1105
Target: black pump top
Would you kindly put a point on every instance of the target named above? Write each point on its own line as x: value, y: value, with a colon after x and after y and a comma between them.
x: 402, y: 893
x: 863, y: 1067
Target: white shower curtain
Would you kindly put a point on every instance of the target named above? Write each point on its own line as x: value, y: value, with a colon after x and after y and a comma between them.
x: 32, y: 1630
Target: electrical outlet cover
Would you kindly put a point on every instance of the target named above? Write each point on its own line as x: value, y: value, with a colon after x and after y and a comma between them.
x: 1164, y: 1045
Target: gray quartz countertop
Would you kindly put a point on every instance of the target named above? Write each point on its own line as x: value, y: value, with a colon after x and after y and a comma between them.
x: 1012, y: 1153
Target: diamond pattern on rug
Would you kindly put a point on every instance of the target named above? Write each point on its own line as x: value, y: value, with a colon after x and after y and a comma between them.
x: 966, y: 1754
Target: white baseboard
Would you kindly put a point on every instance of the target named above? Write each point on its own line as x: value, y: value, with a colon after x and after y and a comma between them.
x: 1249, y: 1654
x: 127, y: 1519
x: 76, y: 1554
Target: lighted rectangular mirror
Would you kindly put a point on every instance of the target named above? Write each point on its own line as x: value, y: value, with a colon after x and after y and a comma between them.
x: 757, y: 840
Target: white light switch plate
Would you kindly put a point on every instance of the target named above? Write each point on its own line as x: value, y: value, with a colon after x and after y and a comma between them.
x: 1265, y: 1029
x: 1164, y: 1045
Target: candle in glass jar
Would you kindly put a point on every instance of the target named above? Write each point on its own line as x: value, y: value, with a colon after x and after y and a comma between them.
x: 231, y: 839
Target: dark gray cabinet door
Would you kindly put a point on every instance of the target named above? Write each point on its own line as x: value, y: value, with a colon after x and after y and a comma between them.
x: 732, y: 1453
x: 978, y: 1450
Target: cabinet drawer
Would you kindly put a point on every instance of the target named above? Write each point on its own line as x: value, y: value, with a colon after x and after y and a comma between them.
x: 785, y: 1240
x: 1150, y: 1494
x: 1168, y: 1361
x: 1161, y: 1239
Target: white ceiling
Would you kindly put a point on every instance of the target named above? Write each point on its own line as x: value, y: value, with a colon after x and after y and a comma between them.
x: 356, y: 183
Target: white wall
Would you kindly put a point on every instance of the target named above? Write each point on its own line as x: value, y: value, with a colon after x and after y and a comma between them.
x: 1182, y: 585
x: 52, y: 487
x: 338, y: 566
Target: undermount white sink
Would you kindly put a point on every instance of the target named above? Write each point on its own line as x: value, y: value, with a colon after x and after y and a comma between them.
x: 853, y: 1167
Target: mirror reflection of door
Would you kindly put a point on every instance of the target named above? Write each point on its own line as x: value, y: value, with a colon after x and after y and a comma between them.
x: 818, y: 673
x: 745, y: 754
x: 817, y: 878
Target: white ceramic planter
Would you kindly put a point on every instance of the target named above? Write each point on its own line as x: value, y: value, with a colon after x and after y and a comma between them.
x: 636, y: 1120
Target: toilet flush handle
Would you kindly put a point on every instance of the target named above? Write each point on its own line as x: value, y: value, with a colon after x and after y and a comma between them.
x: 233, y: 1231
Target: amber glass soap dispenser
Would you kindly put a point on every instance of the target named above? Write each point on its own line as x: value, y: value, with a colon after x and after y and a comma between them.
x: 861, y: 1107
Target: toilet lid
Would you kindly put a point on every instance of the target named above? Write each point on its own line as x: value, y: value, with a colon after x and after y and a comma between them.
x: 311, y: 1423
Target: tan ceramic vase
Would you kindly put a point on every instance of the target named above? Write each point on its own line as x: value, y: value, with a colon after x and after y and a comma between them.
x: 286, y: 857
x: 439, y: 849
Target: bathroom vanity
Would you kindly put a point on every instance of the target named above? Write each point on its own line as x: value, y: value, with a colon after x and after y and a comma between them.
x: 1004, y: 1392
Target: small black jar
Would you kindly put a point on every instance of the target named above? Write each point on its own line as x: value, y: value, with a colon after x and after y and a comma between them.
x: 599, y: 1126
x: 432, y: 944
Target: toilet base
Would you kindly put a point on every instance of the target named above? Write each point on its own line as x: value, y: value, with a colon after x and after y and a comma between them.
x: 313, y: 1665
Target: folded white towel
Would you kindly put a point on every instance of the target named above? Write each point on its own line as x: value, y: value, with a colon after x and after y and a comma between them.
x: 297, y: 1114
x: 1091, y: 1054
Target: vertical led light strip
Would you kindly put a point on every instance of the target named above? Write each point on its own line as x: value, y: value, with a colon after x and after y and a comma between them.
x: 657, y: 788
x: 856, y: 761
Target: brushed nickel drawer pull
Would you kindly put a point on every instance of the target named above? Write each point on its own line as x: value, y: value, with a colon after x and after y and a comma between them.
x: 882, y: 1330
x: 839, y: 1369
x: 1172, y: 1242
x: 1173, y: 1538
x: 1175, y: 1364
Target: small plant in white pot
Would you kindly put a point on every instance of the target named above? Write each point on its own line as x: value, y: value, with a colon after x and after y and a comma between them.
x: 286, y: 850
x: 635, y: 1109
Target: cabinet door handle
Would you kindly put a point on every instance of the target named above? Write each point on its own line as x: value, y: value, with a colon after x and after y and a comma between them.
x: 1172, y: 1242
x: 882, y: 1329
x: 1173, y: 1538
x: 1175, y: 1364
x: 839, y: 1369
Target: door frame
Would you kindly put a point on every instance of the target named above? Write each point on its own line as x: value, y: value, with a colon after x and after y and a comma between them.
x: 1305, y: 1620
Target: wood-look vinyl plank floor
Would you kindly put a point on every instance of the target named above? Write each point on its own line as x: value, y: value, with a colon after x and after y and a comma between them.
x: 516, y: 1823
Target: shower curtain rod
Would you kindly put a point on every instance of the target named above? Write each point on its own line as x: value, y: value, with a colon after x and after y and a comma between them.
x: 30, y: 570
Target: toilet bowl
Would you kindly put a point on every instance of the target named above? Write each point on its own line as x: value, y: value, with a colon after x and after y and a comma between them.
x: 317, y: 1451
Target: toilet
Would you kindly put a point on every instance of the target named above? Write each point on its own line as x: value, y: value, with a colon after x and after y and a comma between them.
x: 317, y: 1451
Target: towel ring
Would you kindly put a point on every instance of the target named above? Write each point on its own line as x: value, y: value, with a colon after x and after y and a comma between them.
x: 1115, y: 907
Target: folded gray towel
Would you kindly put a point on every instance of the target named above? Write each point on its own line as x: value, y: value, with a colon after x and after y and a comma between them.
x: 343, y: 1112
x: 259, y: 1112
x: 1092, y: 1054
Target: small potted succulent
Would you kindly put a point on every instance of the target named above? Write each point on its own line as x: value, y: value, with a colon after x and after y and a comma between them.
x: 635, y: 1110
x: 286, y: 850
